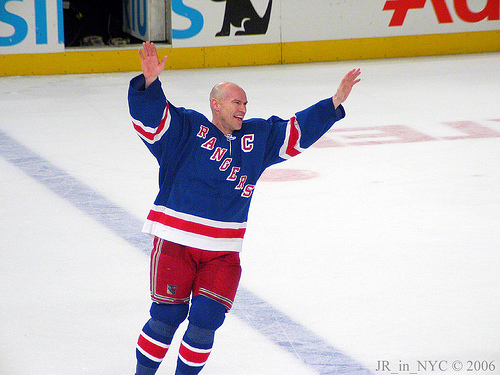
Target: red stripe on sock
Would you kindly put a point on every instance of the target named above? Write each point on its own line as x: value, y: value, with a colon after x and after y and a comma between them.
x: 152, y: 348
x: 193, y: 356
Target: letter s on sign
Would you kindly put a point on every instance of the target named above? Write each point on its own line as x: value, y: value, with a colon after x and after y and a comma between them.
x: 18, y: 23
x: 193, y: 15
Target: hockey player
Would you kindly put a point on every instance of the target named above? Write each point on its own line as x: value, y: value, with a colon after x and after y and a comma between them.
x: 207, y: 174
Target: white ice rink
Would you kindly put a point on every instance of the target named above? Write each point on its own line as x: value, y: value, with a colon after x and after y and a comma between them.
x: 380, y: 245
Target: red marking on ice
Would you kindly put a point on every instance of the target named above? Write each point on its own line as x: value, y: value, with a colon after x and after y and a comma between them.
x: 279, y: 175
x: 376, y: 135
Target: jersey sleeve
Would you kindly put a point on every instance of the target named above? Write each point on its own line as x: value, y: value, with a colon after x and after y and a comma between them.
x: 162, y: 126
x: 149, y: 109
x: 289, y: 138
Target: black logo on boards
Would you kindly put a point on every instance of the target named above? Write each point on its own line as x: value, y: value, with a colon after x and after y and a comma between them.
x: 242, y: 13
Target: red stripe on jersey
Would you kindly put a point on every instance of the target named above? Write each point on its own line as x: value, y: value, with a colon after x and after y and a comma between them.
x: 196, y: 228
x: 151, y: 135
x: 293, y: 139
x: 193, y: 356
x: 156, y: 350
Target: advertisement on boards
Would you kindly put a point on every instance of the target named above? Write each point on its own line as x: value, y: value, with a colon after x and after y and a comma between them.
x: 225, y: 22
x: 340, y: 19
x: 198, y: 23
x: 31, y: 26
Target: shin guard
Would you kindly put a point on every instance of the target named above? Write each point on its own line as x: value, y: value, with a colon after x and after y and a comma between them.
x: 205, y: 317
x: 156, y: 336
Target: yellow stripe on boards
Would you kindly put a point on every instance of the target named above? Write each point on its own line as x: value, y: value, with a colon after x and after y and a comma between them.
x: 82, y: 60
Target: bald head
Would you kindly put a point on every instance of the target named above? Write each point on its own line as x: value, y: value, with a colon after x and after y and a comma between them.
x: 221, y: 90
x: 228, y: 104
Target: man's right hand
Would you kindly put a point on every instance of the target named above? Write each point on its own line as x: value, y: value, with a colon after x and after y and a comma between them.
x: 150, y: 64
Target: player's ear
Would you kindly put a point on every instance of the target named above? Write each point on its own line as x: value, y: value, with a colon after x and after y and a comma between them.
x: 214, y: 103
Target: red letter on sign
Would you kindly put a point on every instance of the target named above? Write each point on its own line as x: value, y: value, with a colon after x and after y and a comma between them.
x: 442, y: 12
x: 490, y: 11
x: 401, y: 8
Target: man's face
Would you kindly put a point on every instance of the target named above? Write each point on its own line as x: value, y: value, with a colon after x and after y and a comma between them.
x: 230, y: 109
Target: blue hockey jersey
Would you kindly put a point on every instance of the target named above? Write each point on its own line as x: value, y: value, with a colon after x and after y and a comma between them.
x: 207, y: 178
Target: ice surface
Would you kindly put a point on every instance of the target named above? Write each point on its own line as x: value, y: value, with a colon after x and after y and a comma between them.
x: 390, y: 253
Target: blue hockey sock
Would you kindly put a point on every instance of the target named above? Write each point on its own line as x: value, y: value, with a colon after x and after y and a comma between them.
x: 156, y: 336
x: 205, y: 317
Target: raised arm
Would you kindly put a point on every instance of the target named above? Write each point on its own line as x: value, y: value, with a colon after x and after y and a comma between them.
x: 150, y: 63
x: 345, y: 87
